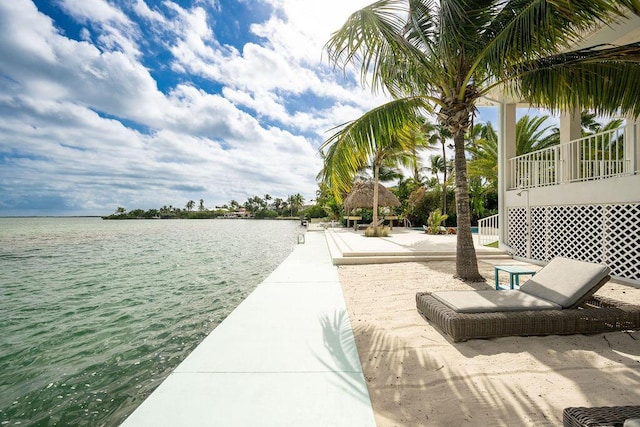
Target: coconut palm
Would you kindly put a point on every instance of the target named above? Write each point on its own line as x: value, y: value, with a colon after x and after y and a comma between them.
x: 442, y: 56
x: 483, y: 148
x: 295, y: 202
x: 437, y: 165
x: 354, y: 148
x: 532, y: 136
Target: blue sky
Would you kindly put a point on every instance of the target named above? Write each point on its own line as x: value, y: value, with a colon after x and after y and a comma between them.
x: 145, y: 103
x: 141, y: 103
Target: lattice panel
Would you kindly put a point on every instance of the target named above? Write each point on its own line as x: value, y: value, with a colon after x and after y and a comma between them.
x: 622, y: 234
x: 518, y: 231
x: 576, y: 232
x: 608, y: 234
x: 539, y: 234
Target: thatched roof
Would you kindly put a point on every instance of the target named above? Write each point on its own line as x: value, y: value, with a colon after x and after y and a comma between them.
x: 361, y: 196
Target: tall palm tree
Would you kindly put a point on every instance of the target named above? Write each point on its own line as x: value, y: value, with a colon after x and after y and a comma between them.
x: 444, y: 55
x: 295, y: 202
x: 437, y: 165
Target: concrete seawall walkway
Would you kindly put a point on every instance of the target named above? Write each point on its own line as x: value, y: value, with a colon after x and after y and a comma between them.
x: 286, y: 356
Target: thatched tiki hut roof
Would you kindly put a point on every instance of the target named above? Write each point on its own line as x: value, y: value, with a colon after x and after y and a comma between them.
x: 361, y: 196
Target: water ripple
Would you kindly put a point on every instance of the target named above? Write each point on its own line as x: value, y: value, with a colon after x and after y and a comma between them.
x: 95, y: 314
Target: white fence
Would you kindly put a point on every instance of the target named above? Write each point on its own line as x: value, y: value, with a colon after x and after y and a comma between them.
x: 488, y: 230
x: 598, y: 156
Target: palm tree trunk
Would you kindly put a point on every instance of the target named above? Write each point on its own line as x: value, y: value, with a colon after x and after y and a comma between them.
x: 466, y: 262
x: 376, y: 176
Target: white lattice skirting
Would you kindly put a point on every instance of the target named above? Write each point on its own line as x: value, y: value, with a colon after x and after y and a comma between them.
x: 608, y: 234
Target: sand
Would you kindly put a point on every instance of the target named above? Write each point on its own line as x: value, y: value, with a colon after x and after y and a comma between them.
x: 418, y: 377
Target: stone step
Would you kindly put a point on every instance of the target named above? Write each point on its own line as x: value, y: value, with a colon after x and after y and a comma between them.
x: 374, y: 259
x: 416, y: 253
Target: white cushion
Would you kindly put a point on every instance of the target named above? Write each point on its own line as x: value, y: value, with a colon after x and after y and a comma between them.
x: 491, y: 301
x: 565, y: 281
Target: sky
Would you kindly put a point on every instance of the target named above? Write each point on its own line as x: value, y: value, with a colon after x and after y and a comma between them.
x: 141, y: 103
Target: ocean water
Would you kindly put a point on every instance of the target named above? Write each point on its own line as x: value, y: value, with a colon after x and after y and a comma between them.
x: 95, y: 314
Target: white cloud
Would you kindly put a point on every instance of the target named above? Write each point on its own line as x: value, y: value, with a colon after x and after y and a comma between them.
x: 86, y: 124
x: 144, y: 11
x: 117, y: 30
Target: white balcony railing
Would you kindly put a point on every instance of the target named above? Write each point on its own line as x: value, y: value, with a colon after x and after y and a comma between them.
x: 598, y: 156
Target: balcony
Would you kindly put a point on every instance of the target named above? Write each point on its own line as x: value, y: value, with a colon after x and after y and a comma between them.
x: 600, y: 156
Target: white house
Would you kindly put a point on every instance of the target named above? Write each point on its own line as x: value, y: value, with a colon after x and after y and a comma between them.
x: 581, y: 199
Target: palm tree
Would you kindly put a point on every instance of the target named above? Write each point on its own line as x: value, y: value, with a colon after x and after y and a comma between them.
x: 482, y: 144
x: 295, y: 202
x: 277, y: 204
x: 531, y: 137
x: 201, y: 205
x: 437, y: 165
x: 355, y: 147
x: 483, y: 148
x: 190, y: 204
x: 442, y: 56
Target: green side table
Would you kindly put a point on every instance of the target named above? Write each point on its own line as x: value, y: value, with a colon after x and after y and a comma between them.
x: 515, y: 271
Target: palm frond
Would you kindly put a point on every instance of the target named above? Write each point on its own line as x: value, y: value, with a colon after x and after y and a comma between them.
x: 605, y: 81
x: 531, y: 135
x: 526, y: 30
x: 371, y: 37
x: 377, y: 134
x: 384, y: 45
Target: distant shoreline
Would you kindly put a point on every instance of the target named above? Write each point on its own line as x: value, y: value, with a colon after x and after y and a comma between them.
x: 106, y: 218
x: 51, y: 216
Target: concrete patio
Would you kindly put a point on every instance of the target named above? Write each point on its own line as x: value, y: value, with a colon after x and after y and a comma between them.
x: 403, y: 245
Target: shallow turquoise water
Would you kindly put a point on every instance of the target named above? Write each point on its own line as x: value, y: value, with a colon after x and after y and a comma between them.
x: 95, y: 314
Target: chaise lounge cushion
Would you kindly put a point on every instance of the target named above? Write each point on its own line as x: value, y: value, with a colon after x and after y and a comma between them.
x: 491, y: 301
x: 566, y: 282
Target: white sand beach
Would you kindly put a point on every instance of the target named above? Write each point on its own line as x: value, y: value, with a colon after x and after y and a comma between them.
x: 418, y: 377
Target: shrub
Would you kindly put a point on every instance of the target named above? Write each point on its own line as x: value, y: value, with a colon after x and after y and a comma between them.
x: 316, y: 211
x: 435, y: 219
x: 376, y: 231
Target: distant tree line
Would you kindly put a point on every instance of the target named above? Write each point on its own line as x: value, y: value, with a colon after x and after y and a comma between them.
x: 254, y: 207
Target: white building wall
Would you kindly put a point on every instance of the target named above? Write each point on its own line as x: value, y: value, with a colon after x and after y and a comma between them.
x: 596, y: 221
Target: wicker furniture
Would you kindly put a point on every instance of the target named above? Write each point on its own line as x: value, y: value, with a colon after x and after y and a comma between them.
x: 598, y: 315
x: 569, y: 284
x: 602, y: 416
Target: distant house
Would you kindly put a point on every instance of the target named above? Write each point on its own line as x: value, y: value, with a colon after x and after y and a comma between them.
x: 240, y: 213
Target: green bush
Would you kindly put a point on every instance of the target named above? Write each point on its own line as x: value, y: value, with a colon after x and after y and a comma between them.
x: 266, y: 213
x: 436, y: 218
x: 316, y: 211
x: 377, y: 231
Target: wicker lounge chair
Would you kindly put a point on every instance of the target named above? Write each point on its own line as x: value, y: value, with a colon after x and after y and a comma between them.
x: 557, y: 300
x: 601, y: 416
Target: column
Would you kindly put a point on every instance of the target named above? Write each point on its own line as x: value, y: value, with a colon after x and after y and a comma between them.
x: 632, y: 144
x: 506, y: 151
x: 570, y: 129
